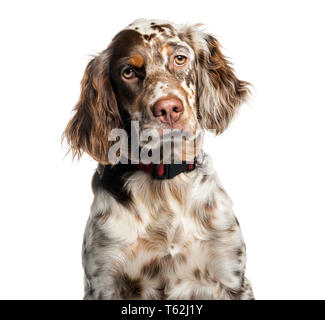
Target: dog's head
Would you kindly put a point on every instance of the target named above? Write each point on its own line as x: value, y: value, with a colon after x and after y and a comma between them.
x: 163, y: 75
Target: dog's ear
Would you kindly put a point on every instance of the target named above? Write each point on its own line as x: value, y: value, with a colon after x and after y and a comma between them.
x: 219, y: 91
x: 96, y: 113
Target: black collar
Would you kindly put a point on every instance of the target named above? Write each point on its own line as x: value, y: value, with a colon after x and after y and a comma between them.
x: 166, y: 171
x: 157, y: 171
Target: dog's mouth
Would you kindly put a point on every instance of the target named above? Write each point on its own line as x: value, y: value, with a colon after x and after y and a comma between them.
x: 148, y: 144
x: 170, y: 145
x: 160, y: 136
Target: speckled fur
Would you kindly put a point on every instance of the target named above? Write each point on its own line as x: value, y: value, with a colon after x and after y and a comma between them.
x: 178, y: 239
x: 159, y: 239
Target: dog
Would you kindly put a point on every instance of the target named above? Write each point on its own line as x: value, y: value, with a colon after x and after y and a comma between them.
x: 159, y: 230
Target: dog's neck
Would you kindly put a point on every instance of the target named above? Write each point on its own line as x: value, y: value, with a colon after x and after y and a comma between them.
x: 166, y: 171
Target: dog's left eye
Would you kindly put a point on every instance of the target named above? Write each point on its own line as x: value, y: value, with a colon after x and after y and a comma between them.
x: 180, y: 60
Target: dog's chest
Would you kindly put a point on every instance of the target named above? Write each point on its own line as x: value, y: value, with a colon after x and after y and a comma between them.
x: 158, y: 244
x: 164, y: 253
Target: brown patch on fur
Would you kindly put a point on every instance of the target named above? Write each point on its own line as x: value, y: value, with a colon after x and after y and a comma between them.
x: 102, y: 217
x: 166, y: 48
x: 161, y: 290
x: 100, y: 239
x: 151, y: 269
x: 239, y: 252
x: 100, y: 263
x: 90, y: 292
x: 206, y: 215
x: 137, y: 215
x: 136, y: 61
x: 157, y: 234
x: 233, y: 228
x: 167, y: 258
x: 129, y: 288
x: 156, y: 239
x: 197, y: 274
x: 149, y: 37
x: 204, y: 178
x: 235, y: 294
x: 97, y: 272
x: 187, y: 244
x: 165, y: 26
x: 123, y: 43
x: 206, y: 221
x: 211, y: 206
x: 237, y: 273
x: 158, y: 28
x: 207, y: 276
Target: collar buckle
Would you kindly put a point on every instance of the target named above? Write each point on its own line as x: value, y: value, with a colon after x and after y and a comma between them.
x: 169, y: 171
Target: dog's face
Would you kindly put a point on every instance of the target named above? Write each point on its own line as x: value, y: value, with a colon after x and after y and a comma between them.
x: 164, y: 76
x: 152, y: 72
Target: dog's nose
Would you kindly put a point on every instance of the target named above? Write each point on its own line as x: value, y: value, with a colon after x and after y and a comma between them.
x: 168, y: 110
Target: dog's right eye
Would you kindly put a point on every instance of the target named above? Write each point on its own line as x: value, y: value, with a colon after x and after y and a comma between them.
x: 129, y: 73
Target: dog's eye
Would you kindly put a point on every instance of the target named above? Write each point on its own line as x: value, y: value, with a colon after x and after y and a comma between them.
x: 129, y: 73
x: 180, y: 60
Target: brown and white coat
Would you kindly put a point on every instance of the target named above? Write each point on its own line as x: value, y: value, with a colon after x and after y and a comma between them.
x: 159, y: 239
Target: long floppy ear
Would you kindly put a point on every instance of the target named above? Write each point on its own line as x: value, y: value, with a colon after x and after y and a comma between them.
x: 220, y: 92
x: 96, y: 113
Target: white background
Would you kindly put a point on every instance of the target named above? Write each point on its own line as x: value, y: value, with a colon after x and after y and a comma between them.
x: 271, y: 159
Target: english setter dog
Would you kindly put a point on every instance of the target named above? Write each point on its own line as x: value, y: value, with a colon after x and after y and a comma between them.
x: 159, y: 230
